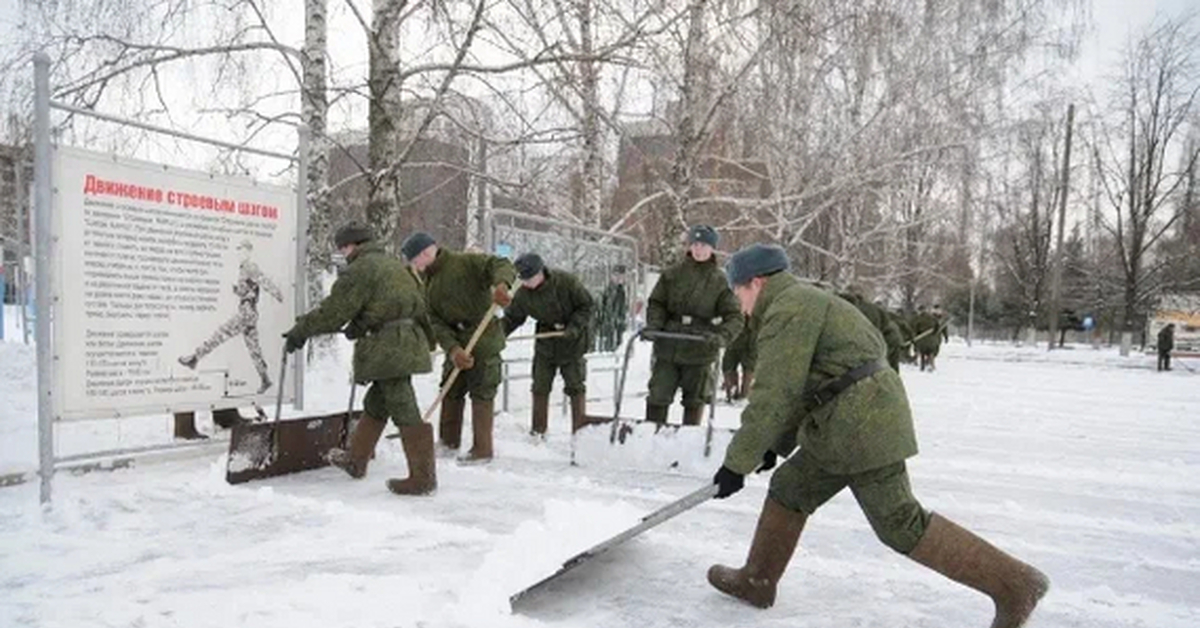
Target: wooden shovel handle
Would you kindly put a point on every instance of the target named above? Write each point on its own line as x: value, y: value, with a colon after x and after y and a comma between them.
x: 483, y: 324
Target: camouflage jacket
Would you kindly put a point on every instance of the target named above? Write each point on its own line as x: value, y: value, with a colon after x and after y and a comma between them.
x: 692, y: 298
x: 379, y: 302
x: 458, y: 288
x: 560, y: 303
x: 806, y: 339
x: 879, y: 317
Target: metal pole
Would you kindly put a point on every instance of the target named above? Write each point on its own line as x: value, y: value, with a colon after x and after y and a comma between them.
x: 1056, y: 274
x: 43, y: 271
x: 301, y: 282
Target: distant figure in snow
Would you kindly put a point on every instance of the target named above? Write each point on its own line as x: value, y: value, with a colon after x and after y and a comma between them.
x: 1166, y: 343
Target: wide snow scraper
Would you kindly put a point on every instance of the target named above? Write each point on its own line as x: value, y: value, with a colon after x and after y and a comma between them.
x: 271, y: 448
x: 627, y: 441
x: 662, y: 515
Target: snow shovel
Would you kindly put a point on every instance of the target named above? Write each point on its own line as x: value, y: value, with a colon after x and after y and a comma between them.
x: 651, y: 520
x: 280, y: 447
x: 668, y: 442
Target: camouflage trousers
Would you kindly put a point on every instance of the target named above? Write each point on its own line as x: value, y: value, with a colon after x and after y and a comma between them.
x: 884, y: 495
x: 481, y: 381
x: 574, y: 376
x: 695, y: 381
x: 245, y: 324
x: 393, y: 399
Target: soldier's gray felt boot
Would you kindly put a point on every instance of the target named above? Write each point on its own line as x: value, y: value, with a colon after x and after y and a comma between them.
x: 357, y: 456
x: 775, y: 541
x: 1015, y: 587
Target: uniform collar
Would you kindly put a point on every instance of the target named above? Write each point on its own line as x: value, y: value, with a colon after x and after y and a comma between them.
x: 366, y: 248
x: 712, y: 260
x: 775, y: 286
x: 436, y: 265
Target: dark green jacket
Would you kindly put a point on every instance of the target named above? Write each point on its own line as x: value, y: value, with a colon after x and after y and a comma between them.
x: 380, y: 303
x: 458, y: 288
x: 741, y: 351
x: 560, y: 303
x: 883, y: 322
x: 807, y: 338
x: 699, y: 292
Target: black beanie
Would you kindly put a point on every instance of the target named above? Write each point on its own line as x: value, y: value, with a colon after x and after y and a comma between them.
x: 703, y: 233
x: 529, y: 265
x: 753, y: 261
x: 352, y: 233
x: 415, y: 243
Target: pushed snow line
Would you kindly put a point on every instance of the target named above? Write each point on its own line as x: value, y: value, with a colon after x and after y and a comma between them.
x: 662, y: 515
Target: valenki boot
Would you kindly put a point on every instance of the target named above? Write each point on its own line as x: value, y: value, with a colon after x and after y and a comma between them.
x: 354, y: 460
x: 775, y: 541
x: 422, y: 468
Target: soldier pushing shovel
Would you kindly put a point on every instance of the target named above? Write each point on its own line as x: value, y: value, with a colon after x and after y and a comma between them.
x: 251, y: 281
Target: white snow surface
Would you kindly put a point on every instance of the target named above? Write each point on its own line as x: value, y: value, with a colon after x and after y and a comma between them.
x: 1079, y: 461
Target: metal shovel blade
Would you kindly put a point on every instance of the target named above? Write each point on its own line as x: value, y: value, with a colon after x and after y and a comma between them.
x: 651, y: 520
x: 273, y: 448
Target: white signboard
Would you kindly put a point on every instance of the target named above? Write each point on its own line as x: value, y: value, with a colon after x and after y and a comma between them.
x: 173, y: 287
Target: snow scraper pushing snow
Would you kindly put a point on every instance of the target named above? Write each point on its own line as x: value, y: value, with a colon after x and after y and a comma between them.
x: 279, y: 447
x: 667, y: 442
x: 651, y: 520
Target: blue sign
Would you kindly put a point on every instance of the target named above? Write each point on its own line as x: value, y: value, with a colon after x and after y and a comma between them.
x: 504, y: 249
x: 1088, y: 323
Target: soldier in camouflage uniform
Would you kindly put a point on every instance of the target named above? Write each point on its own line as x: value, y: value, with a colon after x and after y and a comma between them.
x: 377, y: 302
x: 560, y: 303
x: 882, y: 321
x: 691, y: 297
x: 928, y: 332
x: 740, y: 353
x: 459, y: 288
x: 613, y: 312
x: 822, y: 385
x: 251, y: 281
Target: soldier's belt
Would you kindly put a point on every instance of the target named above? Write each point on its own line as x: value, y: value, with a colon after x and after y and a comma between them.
x: 392, y: 324
x: 689, y: 320
x: 828, y: 392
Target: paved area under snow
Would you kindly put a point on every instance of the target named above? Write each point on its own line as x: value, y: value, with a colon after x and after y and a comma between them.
x: 1082, y: 462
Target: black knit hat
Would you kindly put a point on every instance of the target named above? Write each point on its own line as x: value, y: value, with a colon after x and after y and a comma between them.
x: 352, y: 233
x: 529, y: 265
x: 753, y: 261
x: 415, y: 243
x: 703, y: 233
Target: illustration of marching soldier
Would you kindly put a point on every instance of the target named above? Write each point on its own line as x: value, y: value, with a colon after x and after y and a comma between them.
x: 459, y: 290
x: 691, y: 297
x: 560, y: 304
x: 822, y: 386
x: 251, y: 281
x: 377, y: 302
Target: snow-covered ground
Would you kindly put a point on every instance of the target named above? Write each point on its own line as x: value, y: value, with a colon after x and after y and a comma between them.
x: 1079, y: 461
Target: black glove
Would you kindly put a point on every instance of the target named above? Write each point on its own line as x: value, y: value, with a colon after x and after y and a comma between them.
x: 353, y: 331
x: 769, y: 460
x: 728, y: 482
x: 294, y: 341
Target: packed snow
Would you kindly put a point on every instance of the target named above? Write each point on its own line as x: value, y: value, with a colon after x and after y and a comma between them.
x: 1079, y: 461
